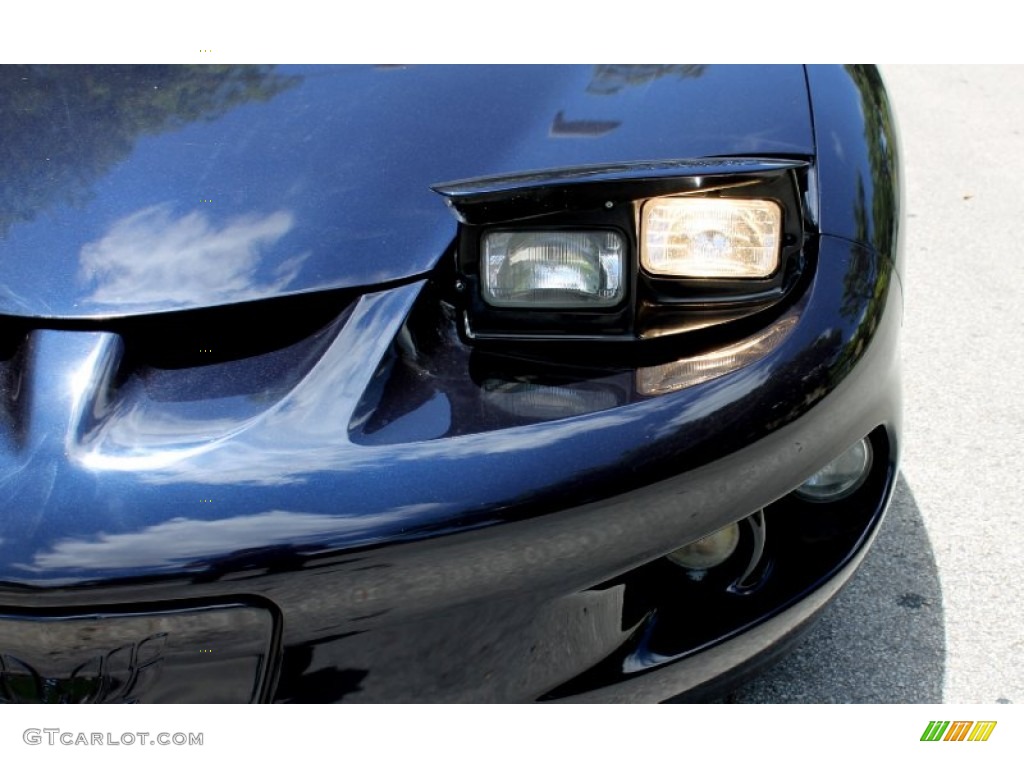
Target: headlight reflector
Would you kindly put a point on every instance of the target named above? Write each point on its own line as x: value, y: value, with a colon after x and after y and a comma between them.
x: 710, y: 237
x: 554, y: 269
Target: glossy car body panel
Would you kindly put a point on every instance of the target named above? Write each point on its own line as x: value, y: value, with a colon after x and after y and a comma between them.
x: 415, y: 537
x: 857, y: 157
x: 246, y: 183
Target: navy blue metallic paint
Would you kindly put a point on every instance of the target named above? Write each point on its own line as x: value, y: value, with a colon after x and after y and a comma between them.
x: 857, y: 157
x: 317, y: 178
x: 454, y: 555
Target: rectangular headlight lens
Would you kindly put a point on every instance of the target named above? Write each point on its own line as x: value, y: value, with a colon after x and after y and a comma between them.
x: 558, y: 269
x: 710, y: 237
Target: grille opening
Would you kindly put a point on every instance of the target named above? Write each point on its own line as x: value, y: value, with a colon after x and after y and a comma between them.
x: 181, y: 356
x: 196, y: 337
x: 222, y: 334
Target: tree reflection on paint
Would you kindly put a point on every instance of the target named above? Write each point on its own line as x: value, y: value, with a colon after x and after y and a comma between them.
x: 66, y: 126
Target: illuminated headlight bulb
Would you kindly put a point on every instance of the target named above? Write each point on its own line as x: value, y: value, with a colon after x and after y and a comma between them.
x: 840, y: 477
x: 710, y: 237
x: 714, y: 549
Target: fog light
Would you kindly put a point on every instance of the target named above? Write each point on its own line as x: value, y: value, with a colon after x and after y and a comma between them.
x: 714, y: 549
x: 840, y: 477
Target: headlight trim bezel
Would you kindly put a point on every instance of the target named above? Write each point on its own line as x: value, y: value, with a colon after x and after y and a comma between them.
x: 594, y: 198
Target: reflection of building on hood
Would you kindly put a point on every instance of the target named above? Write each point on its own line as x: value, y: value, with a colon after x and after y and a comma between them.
x: 152, y: 256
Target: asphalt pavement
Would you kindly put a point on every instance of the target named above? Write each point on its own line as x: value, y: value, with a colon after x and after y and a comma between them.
x: 936, y: 613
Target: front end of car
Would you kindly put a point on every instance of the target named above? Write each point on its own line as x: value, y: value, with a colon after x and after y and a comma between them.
x: 633, y: 426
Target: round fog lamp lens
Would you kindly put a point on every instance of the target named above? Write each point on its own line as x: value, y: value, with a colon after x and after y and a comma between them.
x: 840, y: 477
x: 714, y: 549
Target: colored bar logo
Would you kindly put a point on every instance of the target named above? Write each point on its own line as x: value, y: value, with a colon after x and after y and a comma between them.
x: 958, y: 730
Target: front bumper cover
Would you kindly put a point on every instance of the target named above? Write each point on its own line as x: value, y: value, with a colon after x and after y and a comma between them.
x: 426, y: 569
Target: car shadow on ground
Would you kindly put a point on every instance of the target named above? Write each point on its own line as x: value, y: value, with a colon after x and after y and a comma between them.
x: 882, y: 640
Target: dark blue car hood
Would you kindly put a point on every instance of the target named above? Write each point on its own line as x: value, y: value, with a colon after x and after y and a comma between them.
x: 132, y: 190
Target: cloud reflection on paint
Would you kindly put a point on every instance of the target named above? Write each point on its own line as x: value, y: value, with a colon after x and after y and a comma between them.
x: 155, y: 257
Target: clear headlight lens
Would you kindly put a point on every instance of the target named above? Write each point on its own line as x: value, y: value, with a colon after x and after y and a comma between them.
x: 553, y: 269
x: 710, y: 237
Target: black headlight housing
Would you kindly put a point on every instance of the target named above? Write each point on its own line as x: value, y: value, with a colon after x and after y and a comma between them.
x: 610, y: 199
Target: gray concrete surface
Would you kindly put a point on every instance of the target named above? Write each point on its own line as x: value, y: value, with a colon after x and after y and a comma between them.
x: 936, y: 614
